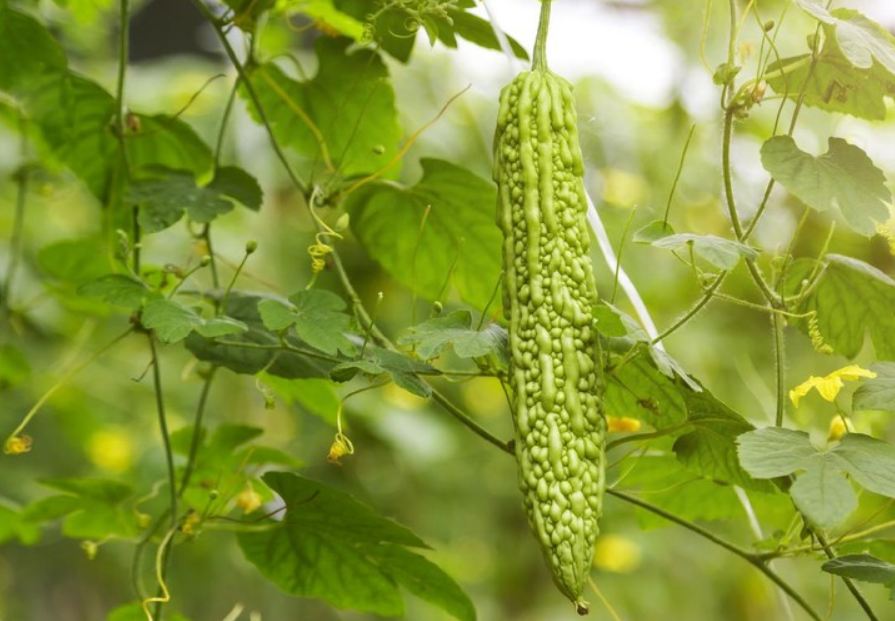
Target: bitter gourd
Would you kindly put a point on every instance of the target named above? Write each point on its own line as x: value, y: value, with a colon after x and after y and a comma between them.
x: 549, y: 293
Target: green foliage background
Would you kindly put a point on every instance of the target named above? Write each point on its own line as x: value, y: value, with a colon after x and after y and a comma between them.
x: 421, y: 229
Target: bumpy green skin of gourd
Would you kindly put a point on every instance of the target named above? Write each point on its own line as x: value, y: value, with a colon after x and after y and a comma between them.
x: 549, y: 293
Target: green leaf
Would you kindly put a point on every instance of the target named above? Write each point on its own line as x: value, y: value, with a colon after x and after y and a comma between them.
x: 401, y: 369
x: 460, y: 242
x: 833, y: 84
x: 75, y: 117
x: 709, y: 448
x: 330, y: 546
x: 666, y: 483
x: 167, y: 142
x: 477, y: 30
x: 656, y: 229
x: 247, y: 12
x: 74, y: 261
x: 861, y: 40
x: 843, y: 177
x: 163, y: 199
x: 770, y: 453
x: 877, y: 393
x: 118, y: 290
x: 13, y: 525
x: 722, y: 253
x: 260, y: 348
x: 864, y: 568
x: 97, y: 508
x: 317, y: 396
x: 27, y: 49
x: 318, y: 318
x: 173, y: 322
x: 638, y: 389
x: 324, y: 11
x: 344, y: 117
x: 233, y: 182
x: 822, y: 492
x: 852, y: 298
x: 432, y: 337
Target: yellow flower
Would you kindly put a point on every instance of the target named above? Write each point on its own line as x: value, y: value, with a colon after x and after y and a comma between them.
x: 16, y: 445
x: 622, y: 424
x: 248, y: 499
x: 829, y: 385
x: 837, y: 429
x: 111, y: 449
x: 617, y: 554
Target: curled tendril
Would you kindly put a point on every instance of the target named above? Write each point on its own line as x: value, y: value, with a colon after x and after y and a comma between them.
x: 817, y: 339
x: 342, y: 444
x: 320, y: 248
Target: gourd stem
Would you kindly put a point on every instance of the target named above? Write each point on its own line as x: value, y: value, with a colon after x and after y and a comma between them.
x: 540, y: 54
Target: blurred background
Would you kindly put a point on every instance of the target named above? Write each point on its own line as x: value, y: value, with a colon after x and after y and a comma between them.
x: 642, y: 71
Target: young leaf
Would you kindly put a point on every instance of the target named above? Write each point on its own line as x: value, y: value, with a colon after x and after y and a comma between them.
x: 722, y: 253
x: 877, y: 393
x: 118, y: 290
x: 843, y: 177
x: 317, y: 396
x: 459, y: 242
x: 173, y: 322
x: 454, y: 330
x: 821, y: 492
x: 343, y: 119
x: 318, y: 318
x: 330, y: 546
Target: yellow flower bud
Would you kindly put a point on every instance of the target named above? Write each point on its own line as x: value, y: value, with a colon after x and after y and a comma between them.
x: 248, y: 499
x: 16, y: 445
x: 837, y: 429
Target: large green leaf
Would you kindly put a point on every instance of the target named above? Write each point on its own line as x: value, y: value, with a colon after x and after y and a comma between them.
x: 459, y: 243
x: 852, y: 298
x: 821, y: 490
x: 27, y: 49
x: 343, y: 120
x: 332, y: 547
x: 162, y: 140
x: 861, y: 40
x: 843, y: 178
x: 833, y: 83
x: 709, y: 446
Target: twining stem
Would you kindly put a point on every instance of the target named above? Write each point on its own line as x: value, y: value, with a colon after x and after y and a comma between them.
x: 196, y: 438
x: 747, y: 556
x: 779, y: 324
x: 539, y: 60
x: 250, y: 90
x: 121, y: 126
x: 461, y: 416
x: 169, y: 460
